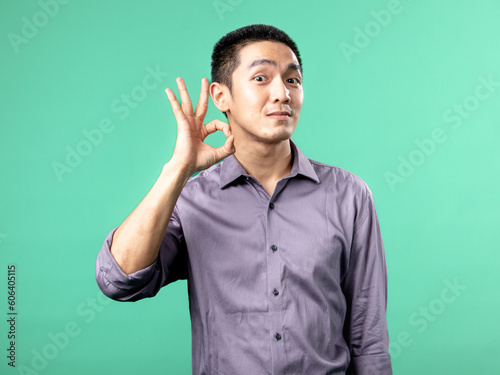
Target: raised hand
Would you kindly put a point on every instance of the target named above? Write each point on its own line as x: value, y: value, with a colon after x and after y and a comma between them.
x: 191, y: 153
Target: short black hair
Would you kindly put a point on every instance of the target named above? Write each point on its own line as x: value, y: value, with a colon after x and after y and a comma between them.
x: 225, y: 56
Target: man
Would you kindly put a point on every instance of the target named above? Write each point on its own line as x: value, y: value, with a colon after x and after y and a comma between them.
x: 283, y: 255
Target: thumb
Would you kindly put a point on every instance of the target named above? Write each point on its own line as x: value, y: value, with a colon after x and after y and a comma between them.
x: 226, y: 150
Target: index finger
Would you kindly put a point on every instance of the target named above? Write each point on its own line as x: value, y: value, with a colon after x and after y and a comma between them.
x: 187, y: 106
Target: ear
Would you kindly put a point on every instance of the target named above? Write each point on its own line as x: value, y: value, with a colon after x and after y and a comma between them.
x: 219, y: 93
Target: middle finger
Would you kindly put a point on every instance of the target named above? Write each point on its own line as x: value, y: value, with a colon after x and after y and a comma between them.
x: 187, y: 106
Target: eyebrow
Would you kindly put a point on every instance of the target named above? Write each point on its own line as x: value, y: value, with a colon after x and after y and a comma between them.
x: 291, y: 66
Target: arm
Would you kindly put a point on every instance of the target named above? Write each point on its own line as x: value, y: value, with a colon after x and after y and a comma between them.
x: 137, y: 241
x: 365, y: 289
x: 135, y: 244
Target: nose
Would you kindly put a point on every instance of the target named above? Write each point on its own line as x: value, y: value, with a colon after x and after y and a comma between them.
x: 279, y: 92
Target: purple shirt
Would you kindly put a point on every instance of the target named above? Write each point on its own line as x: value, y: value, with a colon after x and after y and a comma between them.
x: 295, y: 283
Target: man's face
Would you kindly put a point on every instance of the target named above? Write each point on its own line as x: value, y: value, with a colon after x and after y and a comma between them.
x: 267, y: 93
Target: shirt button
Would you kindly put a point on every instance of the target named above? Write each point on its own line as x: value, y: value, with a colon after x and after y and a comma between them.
x: 248, y: 179
x: 271, y: 206
x: 275, y: 292
x: 274, y: 248
x: 278, y: 337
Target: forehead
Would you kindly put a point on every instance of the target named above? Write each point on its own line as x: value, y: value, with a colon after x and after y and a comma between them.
x: 266, y: 50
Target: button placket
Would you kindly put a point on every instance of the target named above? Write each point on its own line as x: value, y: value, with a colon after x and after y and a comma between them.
x: 274, y: 280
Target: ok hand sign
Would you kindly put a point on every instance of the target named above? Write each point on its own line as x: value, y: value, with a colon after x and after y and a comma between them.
x: 191, y: 154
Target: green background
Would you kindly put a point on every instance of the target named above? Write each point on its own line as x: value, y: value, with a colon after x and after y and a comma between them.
x: 364, y: 112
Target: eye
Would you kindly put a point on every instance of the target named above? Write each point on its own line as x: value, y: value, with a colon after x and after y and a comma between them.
x: 259, y: 78
x: 293, y: 80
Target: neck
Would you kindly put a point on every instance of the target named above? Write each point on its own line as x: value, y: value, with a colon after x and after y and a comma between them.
x: 267, y: 162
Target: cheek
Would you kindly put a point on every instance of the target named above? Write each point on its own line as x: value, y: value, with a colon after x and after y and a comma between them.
x: 254, y: 97
x: 252, y: 106
x: 299, y: 99
x: 250, y: 103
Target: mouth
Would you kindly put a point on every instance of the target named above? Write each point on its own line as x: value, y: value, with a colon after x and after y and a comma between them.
x: 281, y: 115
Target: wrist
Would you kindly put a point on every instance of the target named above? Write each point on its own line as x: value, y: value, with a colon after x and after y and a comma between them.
x: 177, y: 171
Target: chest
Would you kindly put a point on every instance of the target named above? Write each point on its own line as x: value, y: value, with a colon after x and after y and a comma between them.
x: 244, y: 234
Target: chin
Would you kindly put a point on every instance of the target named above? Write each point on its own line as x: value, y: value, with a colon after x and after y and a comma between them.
x: 277, y: 137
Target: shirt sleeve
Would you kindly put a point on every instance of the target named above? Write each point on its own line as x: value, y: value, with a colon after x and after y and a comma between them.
x: 170, y: 265
x: 365, y: 288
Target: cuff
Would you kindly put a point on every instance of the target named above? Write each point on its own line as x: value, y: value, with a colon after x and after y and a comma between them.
x: 375, y: 364
x: 111, y: 279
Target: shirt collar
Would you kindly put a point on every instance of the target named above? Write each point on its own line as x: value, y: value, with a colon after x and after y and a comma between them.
x: 231, y: 169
